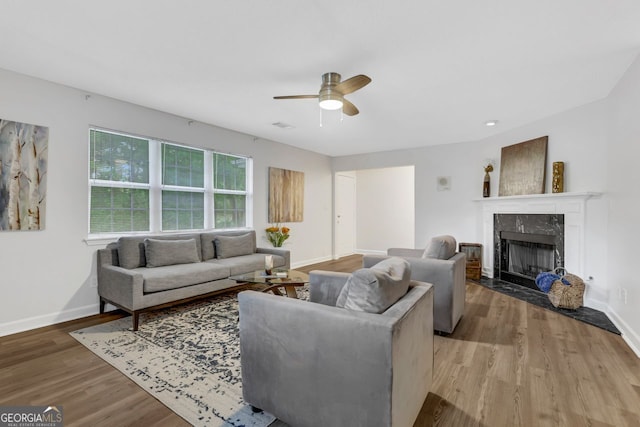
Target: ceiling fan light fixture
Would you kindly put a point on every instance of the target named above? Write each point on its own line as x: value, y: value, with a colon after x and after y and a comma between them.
x: 330, y: 99
x: 331, y: 104
x: 332, y: 92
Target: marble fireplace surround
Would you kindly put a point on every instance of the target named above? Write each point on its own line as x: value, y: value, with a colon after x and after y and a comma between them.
x: 571, y: 205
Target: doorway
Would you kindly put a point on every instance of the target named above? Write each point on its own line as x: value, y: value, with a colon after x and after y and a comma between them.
x: 345, y: 215
x: 374, y: 209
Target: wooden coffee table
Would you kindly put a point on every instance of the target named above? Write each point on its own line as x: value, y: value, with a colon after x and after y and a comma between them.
x: 274, y: 283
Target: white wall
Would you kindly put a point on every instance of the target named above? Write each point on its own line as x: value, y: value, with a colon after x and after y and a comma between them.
x: 48, y: 276
x: 385, y: 209
x: 577, y: 137
x: 623, y: 178
x: 430, y: 204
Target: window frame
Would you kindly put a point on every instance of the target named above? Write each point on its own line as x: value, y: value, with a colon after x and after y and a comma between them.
x: 223, y: 191
x: 156, y: 187
x: 181, y: 188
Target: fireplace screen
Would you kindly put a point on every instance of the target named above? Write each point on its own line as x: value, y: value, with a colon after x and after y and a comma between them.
x: 524, y: 256
x: 529, y: 259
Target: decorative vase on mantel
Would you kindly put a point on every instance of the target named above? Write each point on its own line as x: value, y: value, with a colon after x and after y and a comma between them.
x: 558, y: 177
x: 486, y: 185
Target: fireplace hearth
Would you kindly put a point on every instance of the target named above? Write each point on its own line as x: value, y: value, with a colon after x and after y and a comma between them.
x: 526, y: 245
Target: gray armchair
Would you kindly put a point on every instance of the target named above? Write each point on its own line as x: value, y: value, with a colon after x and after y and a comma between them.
x: 314, y: 364
x: 447, y: 275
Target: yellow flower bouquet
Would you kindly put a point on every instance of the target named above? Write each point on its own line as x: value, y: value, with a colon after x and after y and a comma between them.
x: 277, y: 235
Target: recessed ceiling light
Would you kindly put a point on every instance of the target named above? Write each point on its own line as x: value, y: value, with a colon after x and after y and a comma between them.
x: 282, y: 125
x: 491, y: 122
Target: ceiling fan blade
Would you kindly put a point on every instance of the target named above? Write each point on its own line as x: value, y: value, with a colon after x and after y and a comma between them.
x: 353, y: 84
x: 295, y: 97
x: 348, y: 108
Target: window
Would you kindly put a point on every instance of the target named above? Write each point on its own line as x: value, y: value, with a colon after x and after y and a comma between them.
x: 230, y: 190
x: 144, y: 185
x: 183, y: 188
x: 119, y: 173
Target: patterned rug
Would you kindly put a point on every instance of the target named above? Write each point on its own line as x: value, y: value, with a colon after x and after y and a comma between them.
x: 188, y: 357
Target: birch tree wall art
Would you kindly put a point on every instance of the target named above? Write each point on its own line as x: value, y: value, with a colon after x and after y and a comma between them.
x: 23, y: 175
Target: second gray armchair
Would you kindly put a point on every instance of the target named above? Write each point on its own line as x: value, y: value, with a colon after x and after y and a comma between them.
x: 442, y: 266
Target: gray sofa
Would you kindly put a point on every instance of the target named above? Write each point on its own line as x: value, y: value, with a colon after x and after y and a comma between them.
x: 141, y: 273
x: 316, y: 364
x: 442, y: 266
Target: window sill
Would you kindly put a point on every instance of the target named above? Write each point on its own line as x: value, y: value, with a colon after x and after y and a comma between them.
x: 104, y: 240
x: 100, y: 241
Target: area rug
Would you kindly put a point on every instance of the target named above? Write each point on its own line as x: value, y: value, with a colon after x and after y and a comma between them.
x: 188, y: 357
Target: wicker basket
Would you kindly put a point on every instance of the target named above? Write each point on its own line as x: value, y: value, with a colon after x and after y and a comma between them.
x: 566, y: 296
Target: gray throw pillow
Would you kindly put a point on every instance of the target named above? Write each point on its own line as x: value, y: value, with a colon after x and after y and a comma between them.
x: 170, y: 252
x: 396, y: 267
x: 440, y: 247
x: 375, y: 289
x: 230, y: 246
x: 131, y: 252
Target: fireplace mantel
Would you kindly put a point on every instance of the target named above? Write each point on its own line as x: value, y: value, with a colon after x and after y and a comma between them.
x: 584, y: 196
x: 572, y: 205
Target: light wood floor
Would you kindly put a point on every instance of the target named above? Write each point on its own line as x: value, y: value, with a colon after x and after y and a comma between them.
x: 508, y: 363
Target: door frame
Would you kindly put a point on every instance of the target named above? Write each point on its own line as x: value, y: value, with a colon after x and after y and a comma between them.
x: 336, y: 189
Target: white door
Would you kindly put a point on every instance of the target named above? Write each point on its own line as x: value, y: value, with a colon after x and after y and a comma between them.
x: 345, y: 220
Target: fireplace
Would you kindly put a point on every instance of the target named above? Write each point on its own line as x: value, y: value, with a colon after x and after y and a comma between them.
x: 526, y: 245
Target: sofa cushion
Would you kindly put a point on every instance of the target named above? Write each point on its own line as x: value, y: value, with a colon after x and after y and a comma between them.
x: 247, y: 263
x: 170, y: 252
x: 375, y: 289
x: 180, y: 275
x: 131, y: 252
x: 230, y: 246
x: 131, y: 249
x: 208, y: 238
x: 440, y: 247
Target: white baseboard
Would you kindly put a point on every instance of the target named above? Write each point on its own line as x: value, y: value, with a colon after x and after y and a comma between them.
x: 310, y: 261
x: 595, y: 298
x: 47, y: 319
x: 23, y: 325
x: 370, y: 252
x: 628, y: 334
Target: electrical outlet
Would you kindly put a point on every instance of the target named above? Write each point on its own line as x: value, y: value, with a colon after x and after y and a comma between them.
x: 624, y: 293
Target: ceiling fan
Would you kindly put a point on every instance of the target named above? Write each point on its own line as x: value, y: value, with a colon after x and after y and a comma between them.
x: 332, y: 92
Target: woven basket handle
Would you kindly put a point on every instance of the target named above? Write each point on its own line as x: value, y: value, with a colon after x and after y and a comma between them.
x: 561, y: 271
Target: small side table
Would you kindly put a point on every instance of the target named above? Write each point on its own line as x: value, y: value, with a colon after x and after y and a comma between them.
x: 474, y: 259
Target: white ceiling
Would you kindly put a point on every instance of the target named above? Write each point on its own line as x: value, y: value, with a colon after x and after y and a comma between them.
x: 440, y: 68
